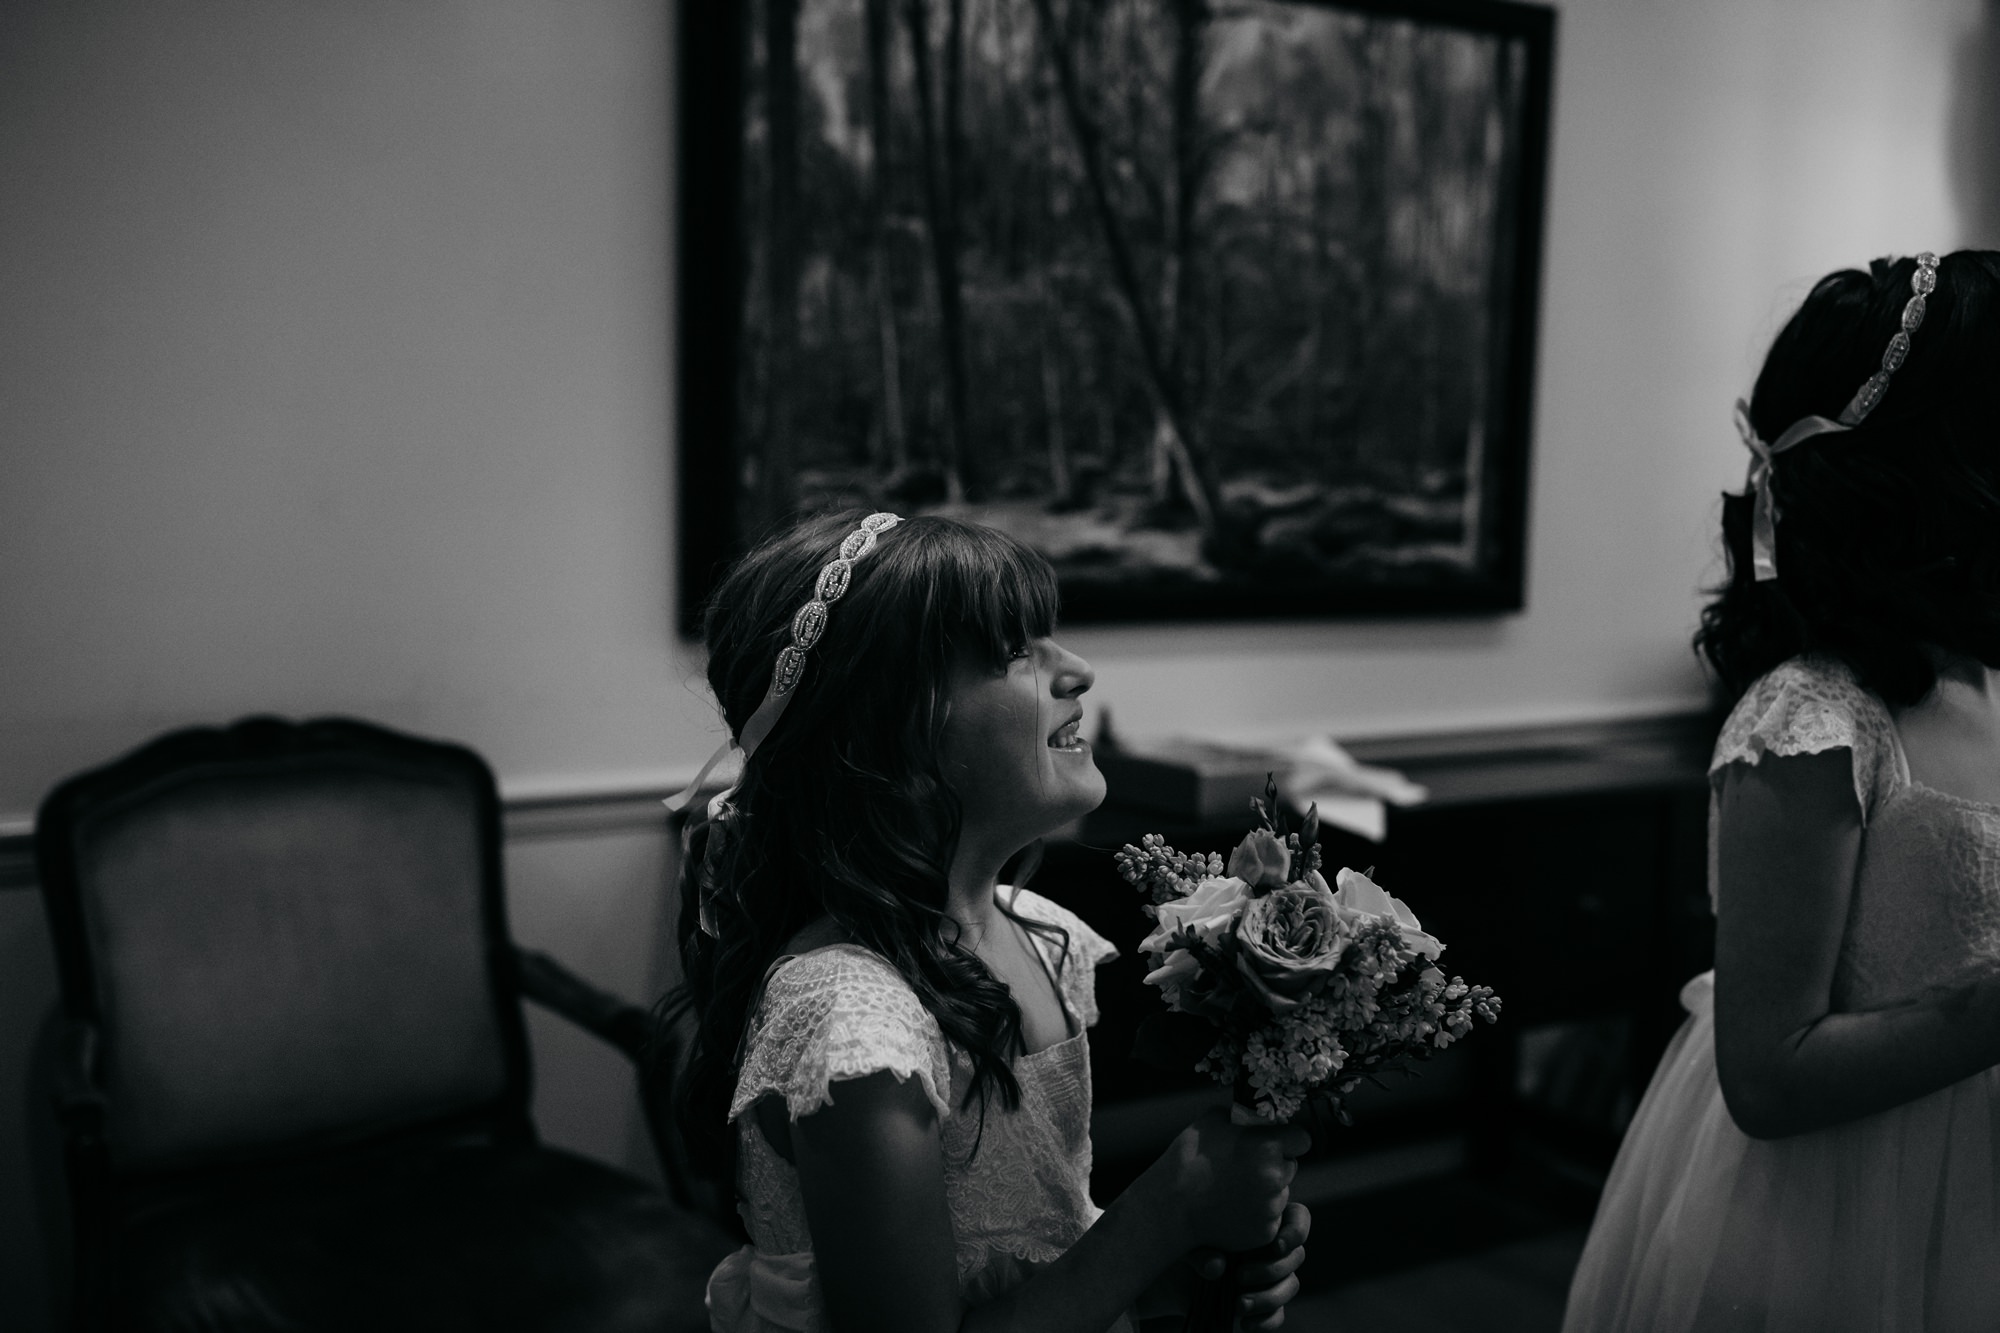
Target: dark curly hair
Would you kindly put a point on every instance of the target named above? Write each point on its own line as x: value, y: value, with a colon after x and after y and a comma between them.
x: 1888, y: 541
x: 843, y: 811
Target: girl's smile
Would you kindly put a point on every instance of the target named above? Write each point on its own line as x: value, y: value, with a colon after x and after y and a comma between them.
x: 1011, y: 749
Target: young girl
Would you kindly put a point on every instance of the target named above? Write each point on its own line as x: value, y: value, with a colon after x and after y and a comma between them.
x: 890, y: 1043
x: 1820, y: 1147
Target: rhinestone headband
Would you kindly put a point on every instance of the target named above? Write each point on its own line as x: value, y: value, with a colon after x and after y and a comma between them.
x: 1764, y: 522
x: 808, y: 625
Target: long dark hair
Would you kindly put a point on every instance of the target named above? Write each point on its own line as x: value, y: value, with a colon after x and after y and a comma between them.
x: 843, y: 811
x: 1888, y: 542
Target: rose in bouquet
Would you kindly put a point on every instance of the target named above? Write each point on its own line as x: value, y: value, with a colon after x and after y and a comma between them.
x: 1286, y: 988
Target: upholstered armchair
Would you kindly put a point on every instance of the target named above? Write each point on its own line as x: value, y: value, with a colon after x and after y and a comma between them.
x: 292, y: 1074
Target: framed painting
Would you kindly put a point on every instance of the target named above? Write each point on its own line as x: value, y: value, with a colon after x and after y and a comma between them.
x: 1226, y: 306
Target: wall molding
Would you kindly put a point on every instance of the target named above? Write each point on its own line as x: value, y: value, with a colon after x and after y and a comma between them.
x: 580, y: 809
x: 585, y: 811
x: 537, y: 810
x: 17, y: 856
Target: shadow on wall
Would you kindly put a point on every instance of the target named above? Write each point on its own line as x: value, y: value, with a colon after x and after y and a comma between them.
x: 1975, y: 131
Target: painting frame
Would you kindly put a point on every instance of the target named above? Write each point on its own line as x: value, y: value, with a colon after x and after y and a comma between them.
x: 714, y: 254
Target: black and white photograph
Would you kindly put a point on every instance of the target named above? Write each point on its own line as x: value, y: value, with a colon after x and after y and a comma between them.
x: 999, y: 666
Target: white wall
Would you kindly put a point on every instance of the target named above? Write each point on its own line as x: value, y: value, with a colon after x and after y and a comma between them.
x: 336, y: 354
x: 335, y: 349
x: 334, y: 362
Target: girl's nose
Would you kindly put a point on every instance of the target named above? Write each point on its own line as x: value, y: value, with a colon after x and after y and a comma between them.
x: 1072, y: 675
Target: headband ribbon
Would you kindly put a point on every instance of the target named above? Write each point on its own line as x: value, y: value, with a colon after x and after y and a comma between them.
x: 808, y: 624
x: 1764, y: 520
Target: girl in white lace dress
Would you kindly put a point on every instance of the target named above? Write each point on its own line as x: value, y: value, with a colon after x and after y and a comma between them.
x: 890, y: 1061
x: 1820, y: 1146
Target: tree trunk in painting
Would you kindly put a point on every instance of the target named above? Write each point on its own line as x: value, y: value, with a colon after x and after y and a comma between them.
x: 895, y: 440
x: 940, y: 170
x: 777, y: 480
x: 1368, y: 159
x: 1500, y: 295
x: 1062, y: 486
x: 1037, y: 125
x: 967, y: 460
x: 1171, y: 445
x: 1177, y: 288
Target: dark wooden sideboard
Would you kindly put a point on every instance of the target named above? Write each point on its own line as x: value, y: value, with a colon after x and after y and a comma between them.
x: 1564, y: 866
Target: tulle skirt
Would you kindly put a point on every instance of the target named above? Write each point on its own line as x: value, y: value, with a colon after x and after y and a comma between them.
x: 1889, y: 1223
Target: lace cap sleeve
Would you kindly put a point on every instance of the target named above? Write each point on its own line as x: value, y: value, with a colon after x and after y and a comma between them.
x: 1807, y: 705
x: 1076, y: 971
x: 839, y: 1013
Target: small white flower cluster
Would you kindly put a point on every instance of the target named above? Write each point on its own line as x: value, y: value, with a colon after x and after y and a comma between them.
x: 1372, y: 962
x: 1161, y: 873
x: 1283, y: 1062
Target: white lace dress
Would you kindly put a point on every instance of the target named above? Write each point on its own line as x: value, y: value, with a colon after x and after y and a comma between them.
x: 1890, y: 1222
x: 842, y: 1012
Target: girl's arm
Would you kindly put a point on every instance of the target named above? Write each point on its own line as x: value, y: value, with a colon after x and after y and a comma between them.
x: 1789, y: 840
x: 871, y: 1168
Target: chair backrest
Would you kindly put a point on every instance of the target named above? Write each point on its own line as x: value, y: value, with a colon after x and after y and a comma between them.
x: 286, y: 935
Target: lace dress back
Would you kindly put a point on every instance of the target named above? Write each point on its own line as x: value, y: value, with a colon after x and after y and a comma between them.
x: 1890, y: 1222
x: 842, y: 1012
x: 1926, y: 904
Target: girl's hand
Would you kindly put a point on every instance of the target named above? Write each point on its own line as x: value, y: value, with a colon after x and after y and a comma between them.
x: 1265, y: 1285
x: 1228, y: 1184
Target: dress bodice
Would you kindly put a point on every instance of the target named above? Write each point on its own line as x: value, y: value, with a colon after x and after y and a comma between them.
x: 1025, y: 1195
x: 1926, y: 903
x: 1926, y: 908
x: 1017, y: 1181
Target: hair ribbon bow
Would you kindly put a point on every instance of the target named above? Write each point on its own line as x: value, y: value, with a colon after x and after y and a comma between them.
x: 1764, y: 524
x: 1764, y: 520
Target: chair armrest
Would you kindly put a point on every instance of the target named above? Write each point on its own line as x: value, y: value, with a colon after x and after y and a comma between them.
x: 654, y: 1057
x: 79, y: 1102
x: 616, y: 1020
x: 80, y: 1106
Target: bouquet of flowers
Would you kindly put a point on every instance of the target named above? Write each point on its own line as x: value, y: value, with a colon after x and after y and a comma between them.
x: 1288, y: 990
x: 1285, y: 988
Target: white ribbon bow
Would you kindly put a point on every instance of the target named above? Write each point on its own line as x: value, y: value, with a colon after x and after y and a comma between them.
x: 1764, y: 520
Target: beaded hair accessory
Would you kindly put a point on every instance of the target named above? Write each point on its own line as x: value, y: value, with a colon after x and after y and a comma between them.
x: 808, y: 625
x: 1764, y: 522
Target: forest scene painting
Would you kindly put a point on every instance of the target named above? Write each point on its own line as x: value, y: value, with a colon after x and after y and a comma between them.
x: 1226, y: 306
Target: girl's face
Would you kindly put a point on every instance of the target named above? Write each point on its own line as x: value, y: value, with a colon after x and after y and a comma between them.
x: 1011, y: 752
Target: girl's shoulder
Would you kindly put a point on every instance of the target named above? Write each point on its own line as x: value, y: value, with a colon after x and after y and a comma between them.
x: 1806, y: 705
x: 1074, y: 958
x: 1086, y: 947
x: 838, y: 1012
x: 834, y: 975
